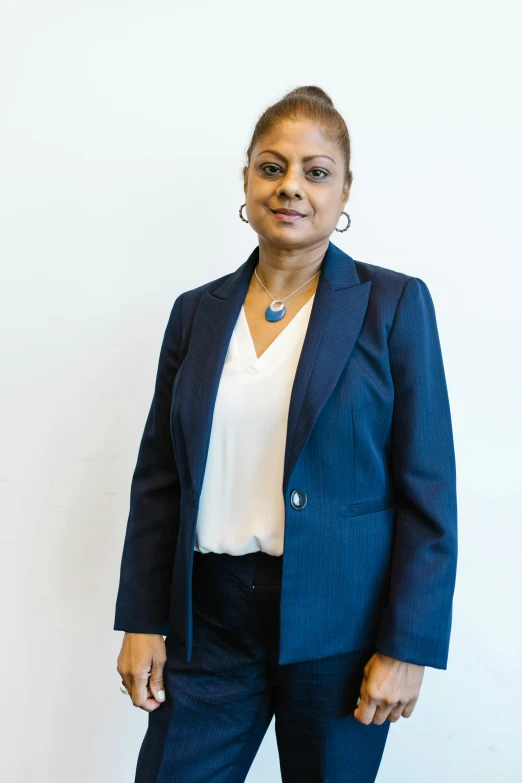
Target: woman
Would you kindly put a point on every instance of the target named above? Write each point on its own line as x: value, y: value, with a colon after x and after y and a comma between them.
x: 293, y: 518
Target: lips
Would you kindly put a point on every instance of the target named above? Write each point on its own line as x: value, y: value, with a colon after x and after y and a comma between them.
x: 291, y: 212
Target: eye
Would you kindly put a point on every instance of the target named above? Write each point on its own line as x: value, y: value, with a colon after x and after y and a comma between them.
x: 321, y: 171
x: 268, y: 166
x: 264, y: 168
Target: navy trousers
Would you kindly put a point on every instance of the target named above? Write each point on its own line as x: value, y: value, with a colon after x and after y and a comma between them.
x: 218, y: 707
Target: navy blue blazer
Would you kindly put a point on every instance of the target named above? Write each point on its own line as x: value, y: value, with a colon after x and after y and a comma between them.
x: 371, y: 558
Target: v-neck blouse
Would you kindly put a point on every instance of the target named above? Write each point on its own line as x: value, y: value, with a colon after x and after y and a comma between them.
x: 241, y: 506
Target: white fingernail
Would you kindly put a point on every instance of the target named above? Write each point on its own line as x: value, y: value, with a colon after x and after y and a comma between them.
x: 161, y: 694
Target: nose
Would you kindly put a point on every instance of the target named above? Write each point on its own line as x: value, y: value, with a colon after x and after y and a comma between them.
x: 290, y: 186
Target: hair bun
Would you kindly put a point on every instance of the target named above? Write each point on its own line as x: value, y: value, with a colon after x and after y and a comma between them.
x: 312, y: 92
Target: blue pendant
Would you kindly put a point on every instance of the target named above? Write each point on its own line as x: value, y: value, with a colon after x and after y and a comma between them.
x: 275, y: 311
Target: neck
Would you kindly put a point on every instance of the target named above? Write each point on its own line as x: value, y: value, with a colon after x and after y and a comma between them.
x: 284, y: 269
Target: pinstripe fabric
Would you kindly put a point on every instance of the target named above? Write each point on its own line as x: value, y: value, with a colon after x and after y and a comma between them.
x: 219, y: 706
x: 416, y: 623
x: 372, y: 556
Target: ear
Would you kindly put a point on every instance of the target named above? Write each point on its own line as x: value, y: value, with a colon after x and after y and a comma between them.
x: 346, y: 193
x: 245, y: 179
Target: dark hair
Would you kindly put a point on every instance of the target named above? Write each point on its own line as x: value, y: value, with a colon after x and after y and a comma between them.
x: 309, y: 103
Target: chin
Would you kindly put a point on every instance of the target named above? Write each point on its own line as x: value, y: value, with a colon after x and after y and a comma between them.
x: 287, y: 240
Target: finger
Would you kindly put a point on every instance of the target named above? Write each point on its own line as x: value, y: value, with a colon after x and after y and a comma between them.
x: 149, y: 704
x: 140, y: 693
x: 396, y: 713
x: 127, y: 681
x: 381, y: 713
x: 365, y: 711
x: 408, y: 709
x: 150, y: 695
x: 125, y: 678
x: 156, y: 682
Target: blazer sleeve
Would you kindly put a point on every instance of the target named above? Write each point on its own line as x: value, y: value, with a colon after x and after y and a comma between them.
x: 143, y: 599
x: 415, y: 625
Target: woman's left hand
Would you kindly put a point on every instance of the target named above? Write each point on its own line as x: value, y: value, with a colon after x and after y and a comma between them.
x: 390, y: 689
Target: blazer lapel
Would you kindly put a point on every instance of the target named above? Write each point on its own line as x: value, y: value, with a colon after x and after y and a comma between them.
x: 336, y: 319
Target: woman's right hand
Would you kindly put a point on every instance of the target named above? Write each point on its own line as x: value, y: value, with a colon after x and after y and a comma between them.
x: 140, y: 664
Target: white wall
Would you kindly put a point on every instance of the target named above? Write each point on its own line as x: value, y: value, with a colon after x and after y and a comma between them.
x: 124, y: 126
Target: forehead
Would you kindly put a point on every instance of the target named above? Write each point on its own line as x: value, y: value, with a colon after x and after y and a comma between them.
x: 298, y: 137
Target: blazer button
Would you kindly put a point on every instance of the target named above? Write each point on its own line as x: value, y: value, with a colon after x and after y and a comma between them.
x: 298, y: 499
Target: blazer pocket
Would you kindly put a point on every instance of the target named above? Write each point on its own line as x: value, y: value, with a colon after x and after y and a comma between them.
x: 369, y: 506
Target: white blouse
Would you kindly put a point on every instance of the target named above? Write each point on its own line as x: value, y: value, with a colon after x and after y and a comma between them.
x: 241, y: 506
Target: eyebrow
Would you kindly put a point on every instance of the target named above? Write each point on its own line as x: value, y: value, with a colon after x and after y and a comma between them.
x: 307, y: 157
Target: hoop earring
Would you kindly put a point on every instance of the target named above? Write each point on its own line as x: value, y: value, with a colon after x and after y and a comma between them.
x: 341, y: 230
x: 240, y: 213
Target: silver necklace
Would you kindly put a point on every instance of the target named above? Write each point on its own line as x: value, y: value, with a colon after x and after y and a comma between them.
x: 276, y: 309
